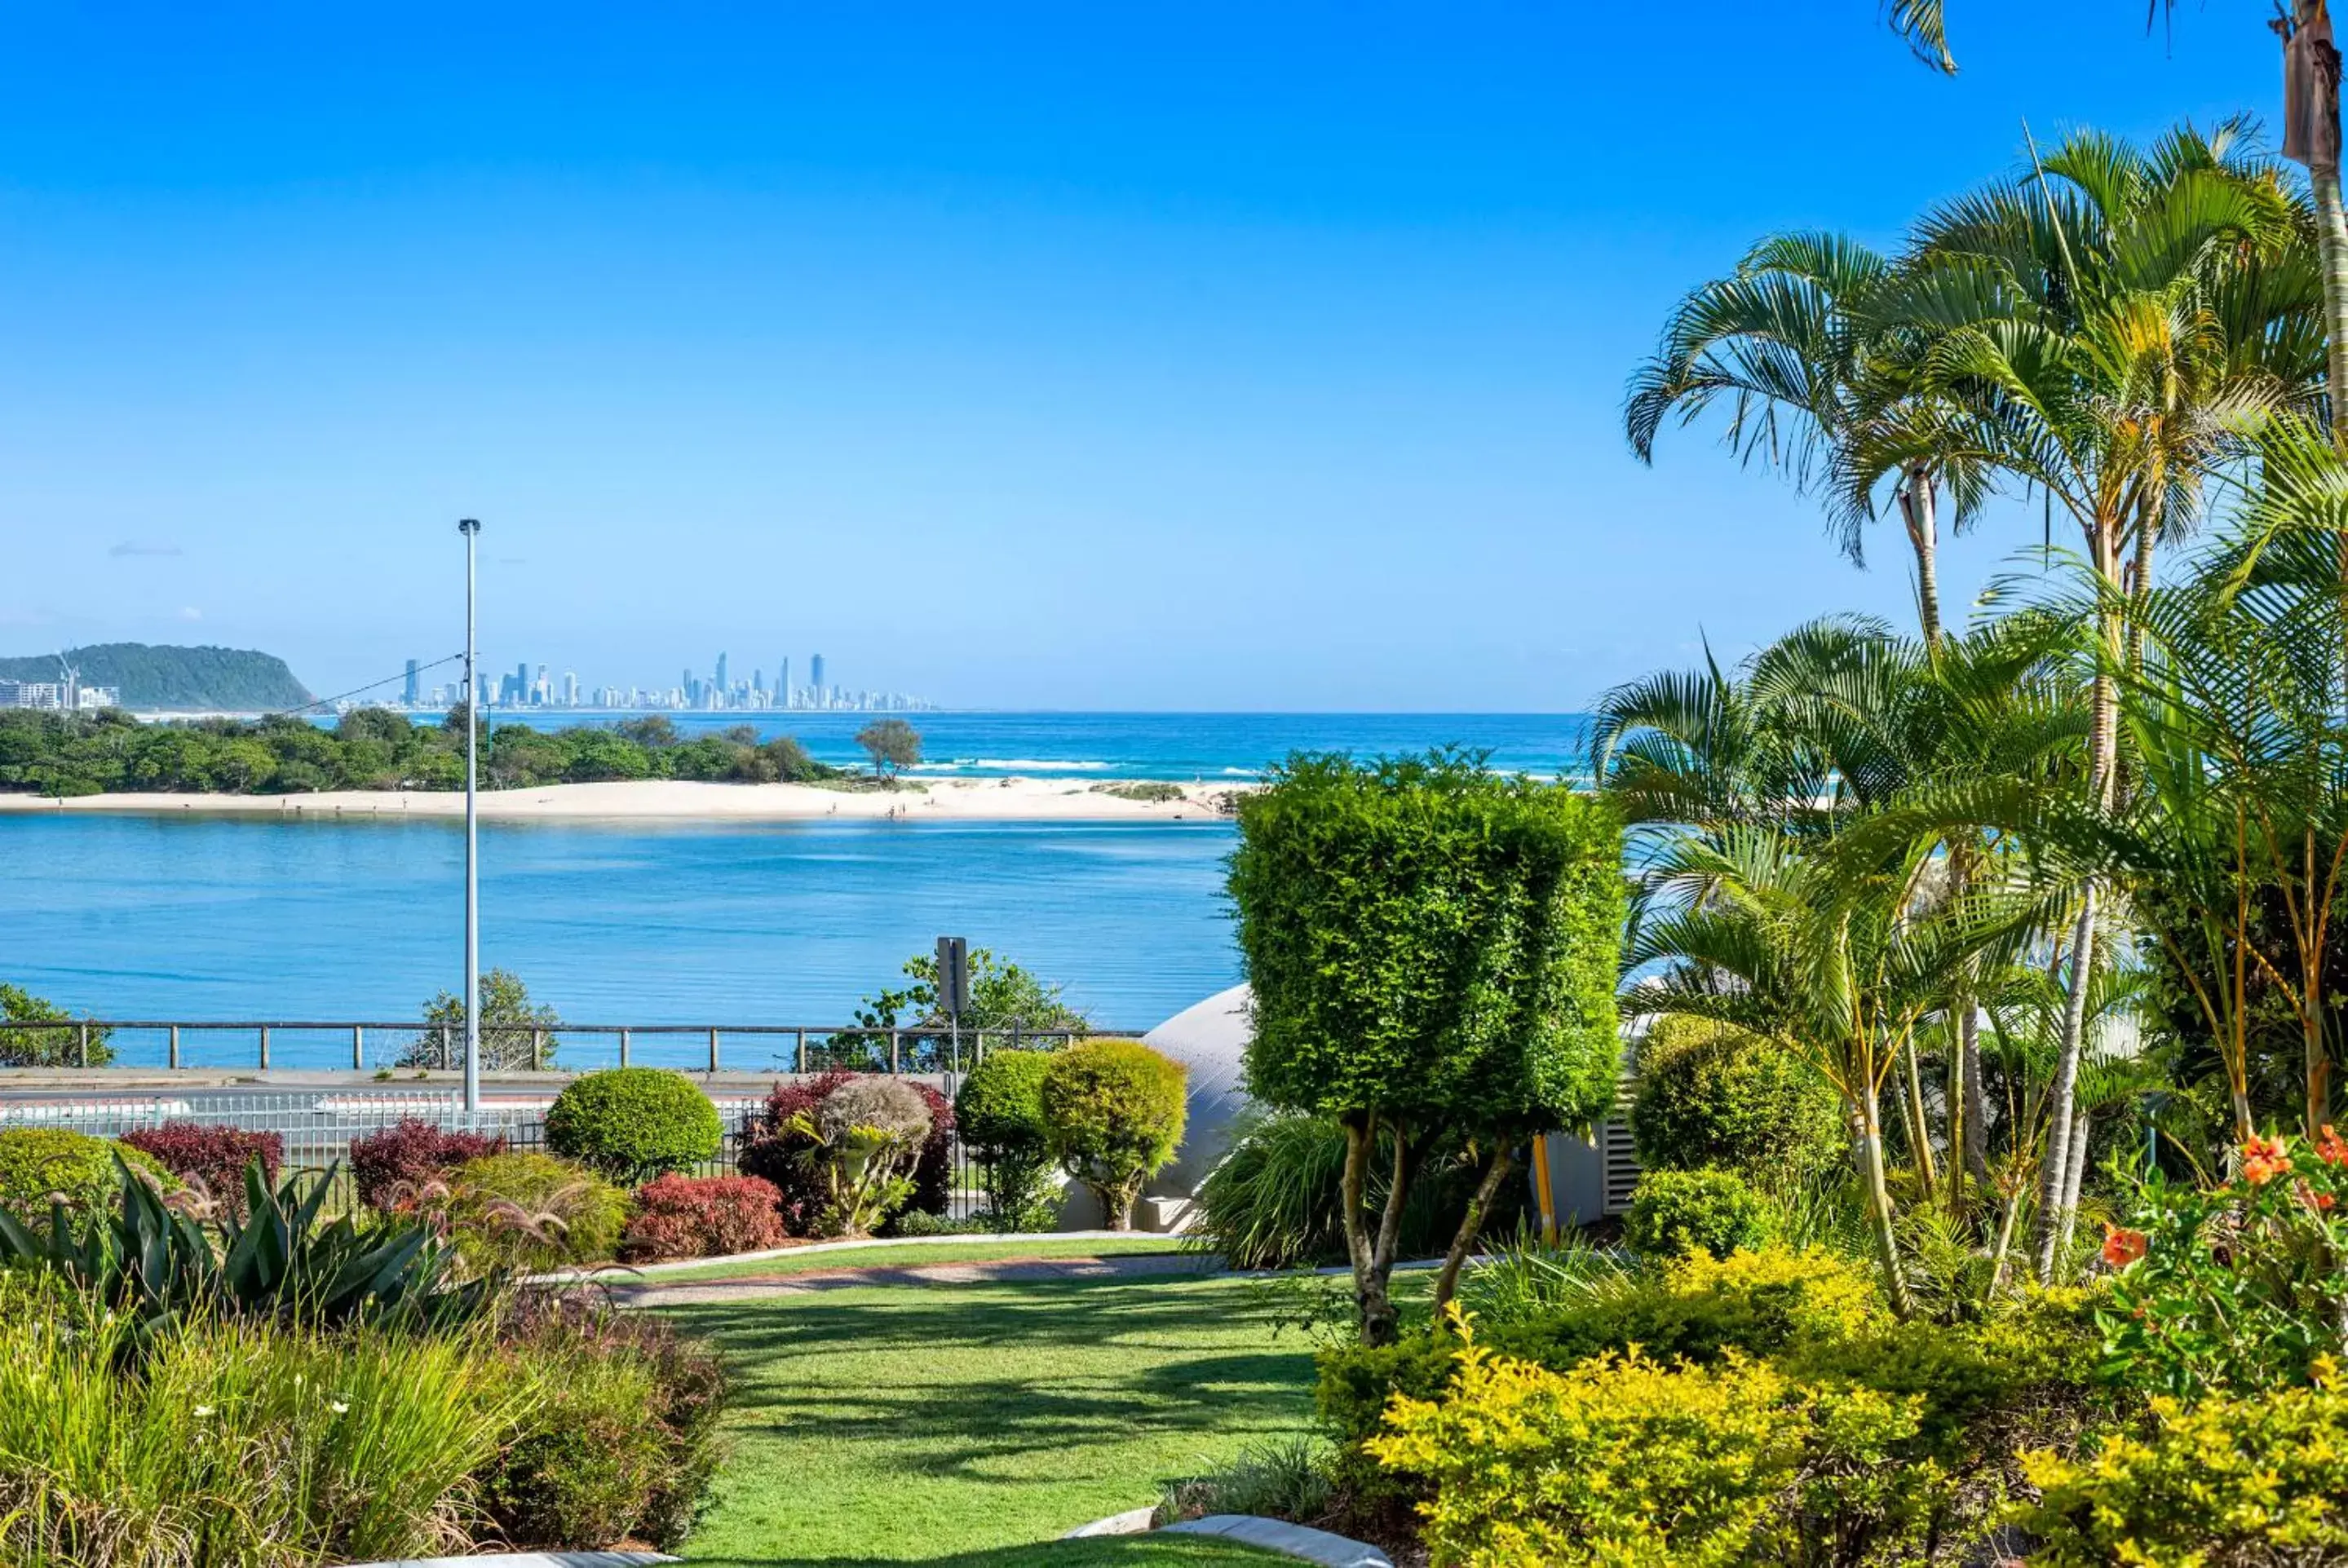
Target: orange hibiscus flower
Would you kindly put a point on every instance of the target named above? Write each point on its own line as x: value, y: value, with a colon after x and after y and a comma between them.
x: 2123, y: 1246
x: 2331, y: 1148
x: 2264, y: 1159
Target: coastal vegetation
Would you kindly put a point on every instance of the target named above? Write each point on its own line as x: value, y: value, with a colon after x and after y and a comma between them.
x: 66, y: 754
x: 893, y: 745
x: 71, y: 1044
x: 517, y: 1034
x: 159, y: 679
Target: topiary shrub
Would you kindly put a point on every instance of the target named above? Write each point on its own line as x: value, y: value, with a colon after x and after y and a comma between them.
x: 531, y: 1211
x: 1677, y: 1212
x: 778, y: 1148
x: 1711, y: 1095
x: 211, y: 1156
x: 632, y: 1123
x: 1000, y: 1111
x: 622, y: 1439
x: 39, y: 1166
x: 392, y: 1167
x: 1431, y: 948
x: 1113, y: 1109
x: 702, y: 1217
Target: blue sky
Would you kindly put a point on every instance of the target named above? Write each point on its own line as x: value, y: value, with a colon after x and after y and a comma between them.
x: 1170, y: 357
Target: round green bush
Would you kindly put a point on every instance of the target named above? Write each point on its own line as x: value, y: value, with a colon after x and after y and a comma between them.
x: 1114, y: 1111
x: 1000, y: 1106
x: 38, y: 1163
x: 1711, y: 1095
x: 633, y: 1123
x: 526, y: 1211
x: 1674, y: 1213
x: 999, y: 1112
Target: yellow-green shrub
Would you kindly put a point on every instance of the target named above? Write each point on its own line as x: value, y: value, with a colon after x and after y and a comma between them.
x: 2254, y: 1479
x: 529, y: 1211
x: 1626, y: 1461
x: 39, y: 1166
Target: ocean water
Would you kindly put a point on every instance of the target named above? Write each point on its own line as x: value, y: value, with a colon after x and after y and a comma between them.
x: 167, y: 917
x: 1182, y: 747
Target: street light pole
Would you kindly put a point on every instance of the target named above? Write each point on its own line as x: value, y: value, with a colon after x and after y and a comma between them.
x: 472, y: 532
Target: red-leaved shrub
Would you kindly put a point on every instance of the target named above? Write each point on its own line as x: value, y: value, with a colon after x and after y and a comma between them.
x: 391, y: 1166
x: 703, y: 1217
x: 211, y: 1154
x: 773, y: 1152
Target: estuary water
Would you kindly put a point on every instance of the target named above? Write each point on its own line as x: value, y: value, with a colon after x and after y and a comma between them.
x: 178, y: 918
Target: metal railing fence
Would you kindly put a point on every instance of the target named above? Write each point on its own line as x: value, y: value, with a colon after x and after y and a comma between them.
x: 361, y: 1046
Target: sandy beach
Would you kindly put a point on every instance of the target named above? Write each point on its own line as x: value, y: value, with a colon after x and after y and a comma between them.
x: 941, y: 800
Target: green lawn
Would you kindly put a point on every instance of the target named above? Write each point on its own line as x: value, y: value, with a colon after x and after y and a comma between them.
x: 965, y: 1425
x: 903, y: 1256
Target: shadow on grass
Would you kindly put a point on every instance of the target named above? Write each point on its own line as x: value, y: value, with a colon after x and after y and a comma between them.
x: 1045, y: 1359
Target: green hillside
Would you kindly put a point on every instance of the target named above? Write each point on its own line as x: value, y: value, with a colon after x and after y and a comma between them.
x: 221, y: 680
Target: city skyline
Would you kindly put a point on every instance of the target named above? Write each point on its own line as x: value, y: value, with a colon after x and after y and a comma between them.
x: 539, y: 686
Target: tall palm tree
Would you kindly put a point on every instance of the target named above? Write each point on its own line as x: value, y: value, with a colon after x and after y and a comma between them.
x: 1785, y: 341
x: 2104, y: 326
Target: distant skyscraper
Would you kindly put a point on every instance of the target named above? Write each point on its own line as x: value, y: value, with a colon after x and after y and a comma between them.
x: 722, y: 686
x: 521, y: 682
x: 783, y: 683
x: 414, y: 689
x: 815, y: 675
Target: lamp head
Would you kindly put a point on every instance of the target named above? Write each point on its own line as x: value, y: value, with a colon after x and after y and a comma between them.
x: 470, y: 525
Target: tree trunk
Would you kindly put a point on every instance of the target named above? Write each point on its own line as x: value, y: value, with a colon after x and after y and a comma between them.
x: 1882, y: 1220
x: 2332, y: 249
x: 2055, y: 1173
x: 1497, y: 1172
x: 1373, y: 1256
x: 1976, y: 1150
x: 1918, y: 506
x: 2083, y: 1127
x: 1919, y: 1129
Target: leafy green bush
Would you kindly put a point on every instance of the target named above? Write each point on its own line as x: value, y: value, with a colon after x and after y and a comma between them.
x: 1000, y: 1111
x: 1714, y: 1095
x: 2253, y: 1479
x: 1675, y: 1212
x: 1115, y: 1110
x: 61, y: 1047
x: 1678, y: 1464
x: 531, y: 1211
x: 39, y: 1166
x: 633, y: 1123
x: 234, y: 1441
x: 2241, y: 1287
x: 622, y: 1439
x: 1285, y: 1478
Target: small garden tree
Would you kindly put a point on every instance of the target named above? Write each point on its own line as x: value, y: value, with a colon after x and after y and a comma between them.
x: 1433, y: 951
x: 1113, y: 1110
x: 59, y: 1047
x: 1000, y: 1109
x: 516, y: 1034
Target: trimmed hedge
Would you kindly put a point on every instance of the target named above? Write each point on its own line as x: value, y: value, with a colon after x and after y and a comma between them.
x: 703, y: 1217
x: 1000, y: 1109
x: 632, y: 1123
x: 1113, y: 1110
x: 39, y: 1164
x: 1711, y: 1094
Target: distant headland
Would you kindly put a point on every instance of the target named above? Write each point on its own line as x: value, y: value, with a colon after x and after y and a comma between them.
x: 163, y: 680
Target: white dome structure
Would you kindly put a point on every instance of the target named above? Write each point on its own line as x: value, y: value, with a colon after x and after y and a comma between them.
x: 1209, y: 1039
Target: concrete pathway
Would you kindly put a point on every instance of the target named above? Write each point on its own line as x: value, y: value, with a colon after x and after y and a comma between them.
x: 758, y: 1287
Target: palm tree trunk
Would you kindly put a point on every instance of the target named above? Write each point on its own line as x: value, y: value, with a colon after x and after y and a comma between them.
x: 1976, y: 1148
x: 2062, y: 1093
x: 1919, y: 1129
x: 2332, y: 249
x: 1882, y: 1220
x: 1918, y: 507
x: 2074, y: 1178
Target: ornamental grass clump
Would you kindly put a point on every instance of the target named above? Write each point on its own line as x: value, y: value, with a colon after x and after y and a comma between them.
x: 529, y: 1212
x: 1114, y: 1110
